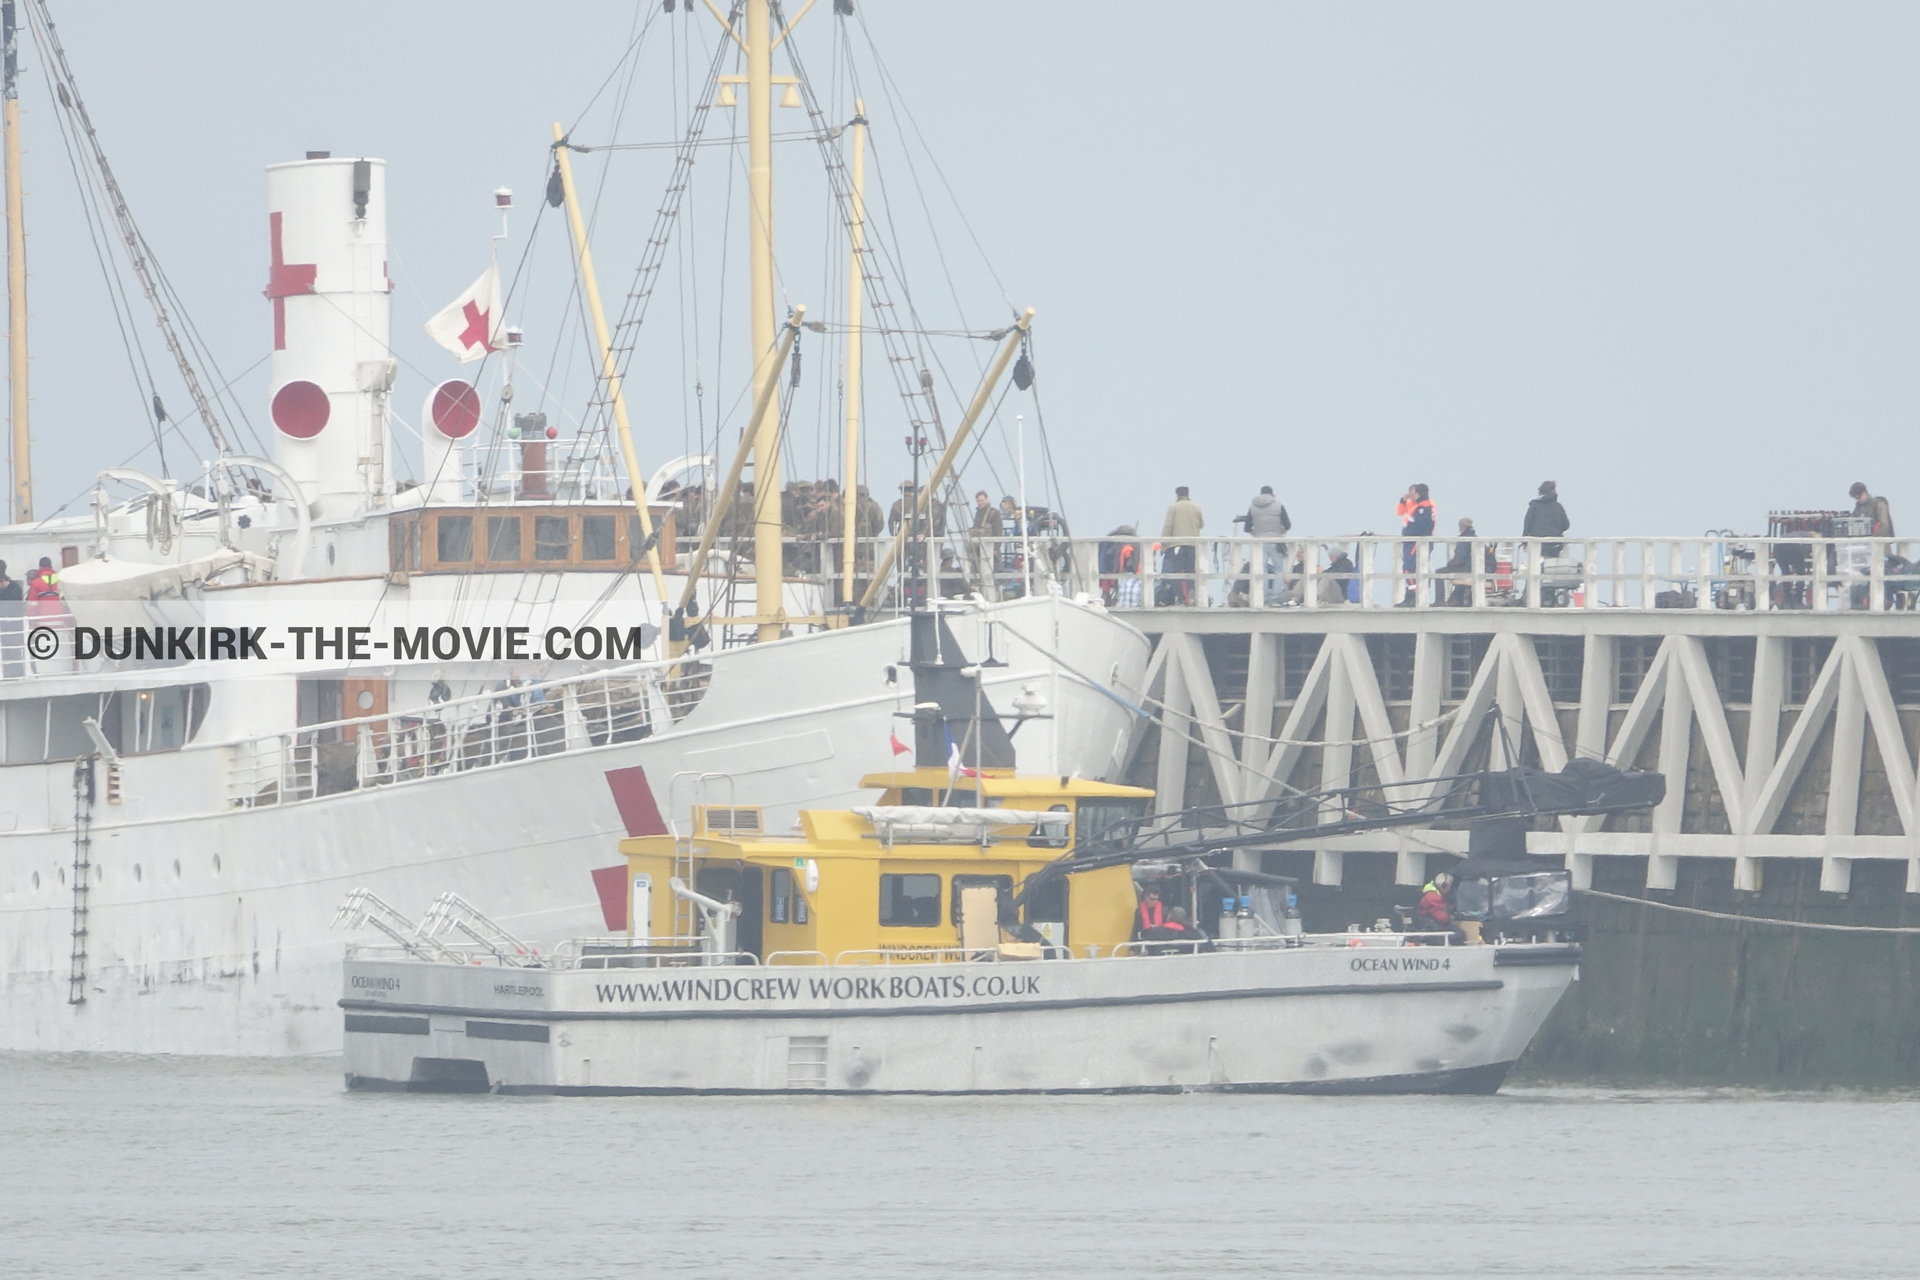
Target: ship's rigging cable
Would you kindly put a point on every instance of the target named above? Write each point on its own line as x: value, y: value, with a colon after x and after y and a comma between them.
x: 117, y: 298
x: 154, y: 282
x: 1443, y: 718
x: 910, y: 366
x: 1743, y: 919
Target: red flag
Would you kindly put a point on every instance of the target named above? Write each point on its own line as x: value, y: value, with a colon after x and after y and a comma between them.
x: 899, y: 748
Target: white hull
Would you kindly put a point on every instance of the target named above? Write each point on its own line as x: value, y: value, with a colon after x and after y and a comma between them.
x: 1324, y: 1019
x: 207, y: 924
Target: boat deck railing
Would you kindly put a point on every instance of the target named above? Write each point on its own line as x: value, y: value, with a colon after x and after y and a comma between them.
x: 679, y: 953
x: 518, y: 722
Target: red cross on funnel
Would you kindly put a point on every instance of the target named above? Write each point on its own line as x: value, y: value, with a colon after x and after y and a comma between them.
x: 285, y: 280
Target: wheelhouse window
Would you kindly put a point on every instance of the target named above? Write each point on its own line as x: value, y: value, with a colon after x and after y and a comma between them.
x: 1108, y: 820
x: 596, y: 538
x: 454, y: 538
x: 910, y: 901
x: 1052, y: 836
x: 503, y: 539
x: 550, y: 537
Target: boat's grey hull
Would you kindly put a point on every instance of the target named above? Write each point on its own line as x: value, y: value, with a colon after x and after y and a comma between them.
x: 1314, y: 1020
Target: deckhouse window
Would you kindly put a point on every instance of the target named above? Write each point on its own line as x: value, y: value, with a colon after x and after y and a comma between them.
x: 550, y: 537
x: 1053, y: 836
x: 503, y: 539
x: 596, y: 538
x: 910, y: 901
x: 455, y: 538
x: 1109, y: 819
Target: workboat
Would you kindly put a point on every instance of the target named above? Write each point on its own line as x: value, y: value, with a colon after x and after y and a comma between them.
x: 974, y: 929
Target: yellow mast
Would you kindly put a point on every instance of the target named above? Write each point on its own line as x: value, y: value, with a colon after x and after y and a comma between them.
x: 1015, y: 336
x: 609, y: 366
x: 856, y: 281
x: 16, y: 279
x: 769, y: 577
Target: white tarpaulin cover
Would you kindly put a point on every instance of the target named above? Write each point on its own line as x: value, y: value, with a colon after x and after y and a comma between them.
x: 927, y: 822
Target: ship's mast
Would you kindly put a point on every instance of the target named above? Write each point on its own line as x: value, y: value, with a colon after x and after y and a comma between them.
x: 856, y: 278
x: 769, y: 579
x: 16, y: 273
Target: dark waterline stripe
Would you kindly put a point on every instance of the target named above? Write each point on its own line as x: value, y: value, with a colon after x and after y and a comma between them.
x: 1485, y: 1079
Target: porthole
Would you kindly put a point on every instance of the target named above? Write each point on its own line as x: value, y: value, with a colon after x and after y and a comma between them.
x: 216, y: 864
x: 176, y: 868
x: 63, y: 876
x: 36, y: 881
x: 136, y: 873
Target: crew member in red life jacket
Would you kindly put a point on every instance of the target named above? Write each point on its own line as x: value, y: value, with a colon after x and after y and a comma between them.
x: 1151, y: 915
x: 1182, y: 937
x: 1435, y: 912
x: 43, y: 589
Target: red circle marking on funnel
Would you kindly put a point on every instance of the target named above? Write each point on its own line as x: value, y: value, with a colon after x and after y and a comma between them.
x: 301, y: 409
x: 456, y: 409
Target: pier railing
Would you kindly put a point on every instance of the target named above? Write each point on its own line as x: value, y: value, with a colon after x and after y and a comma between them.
x: 1715, y: 572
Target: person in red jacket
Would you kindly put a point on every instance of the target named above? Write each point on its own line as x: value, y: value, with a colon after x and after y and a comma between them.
x: 1435, y: 912
x: 43, y: 590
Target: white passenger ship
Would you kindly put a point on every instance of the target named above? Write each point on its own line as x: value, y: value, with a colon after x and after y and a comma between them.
x: 174, y: 831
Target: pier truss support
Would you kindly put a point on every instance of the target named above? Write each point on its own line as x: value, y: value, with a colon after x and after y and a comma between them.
x: 1782, y: 737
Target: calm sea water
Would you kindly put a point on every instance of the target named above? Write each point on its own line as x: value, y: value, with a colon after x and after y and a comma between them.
x: 160, y: 1167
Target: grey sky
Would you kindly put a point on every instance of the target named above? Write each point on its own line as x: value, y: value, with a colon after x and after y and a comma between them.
x: 1661, y: 253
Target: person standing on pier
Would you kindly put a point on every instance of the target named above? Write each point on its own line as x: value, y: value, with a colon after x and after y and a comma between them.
x: 1184, y: 520
x: 1267, y: 518
x: 1546, y: 518
x: 1875, y: 509
x: 1416, y: 512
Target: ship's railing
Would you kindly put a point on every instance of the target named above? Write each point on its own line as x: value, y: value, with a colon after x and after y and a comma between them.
x: 1373, y: 571
x: 511, y: 723
x: 915, y: 955
x: 796, y: 957
x: 468, y: 953
x: 1278, y: 942
x: 620, y: 952
x: 1719, y: 572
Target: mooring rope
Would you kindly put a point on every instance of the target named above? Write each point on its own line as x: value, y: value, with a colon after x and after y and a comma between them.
x: 1723, y: 915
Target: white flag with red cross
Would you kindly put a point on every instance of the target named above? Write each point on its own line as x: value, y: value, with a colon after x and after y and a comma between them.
x: 469, y: 326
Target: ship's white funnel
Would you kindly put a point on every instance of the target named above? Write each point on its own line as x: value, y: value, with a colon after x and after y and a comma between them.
x: 330, y: 296
x: 447, y: 420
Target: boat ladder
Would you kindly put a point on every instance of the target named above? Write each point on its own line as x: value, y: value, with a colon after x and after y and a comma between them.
x: 451, y: 911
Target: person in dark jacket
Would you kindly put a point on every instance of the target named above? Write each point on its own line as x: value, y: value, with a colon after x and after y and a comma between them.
x: 1874, y: 509
x: 12, y: 606
x: 1461, y: 563
x: 1546, y: 518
